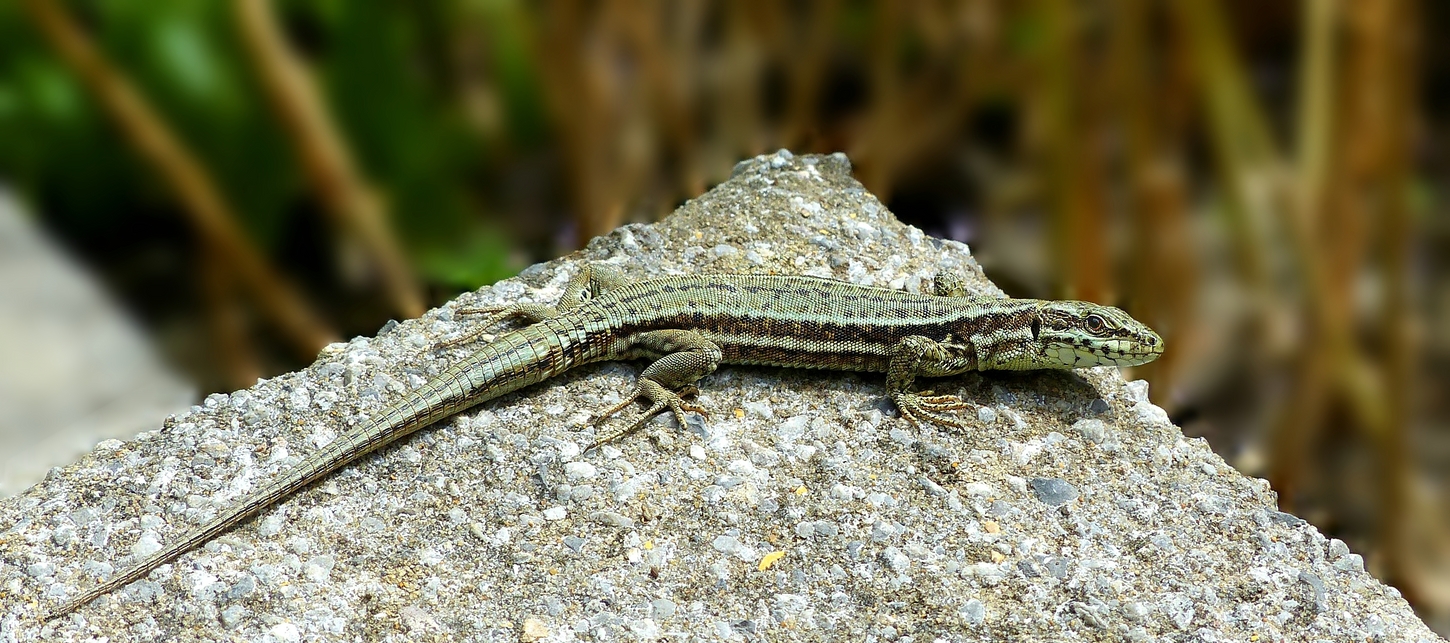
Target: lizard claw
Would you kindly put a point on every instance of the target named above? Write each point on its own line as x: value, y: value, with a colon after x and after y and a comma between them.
x: 920, y: 408
x: 530, y: 312
x: 661, y: 398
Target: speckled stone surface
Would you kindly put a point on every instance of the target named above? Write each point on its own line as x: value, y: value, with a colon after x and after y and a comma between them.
x: 803, y: 509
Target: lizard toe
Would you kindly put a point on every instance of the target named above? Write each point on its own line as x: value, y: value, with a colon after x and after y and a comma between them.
x: 918, y: 409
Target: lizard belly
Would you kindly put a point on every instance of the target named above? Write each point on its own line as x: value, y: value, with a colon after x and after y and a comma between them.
x: 793, y: 352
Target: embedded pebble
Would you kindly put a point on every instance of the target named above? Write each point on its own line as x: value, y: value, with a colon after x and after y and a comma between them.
x: 897, y: 561
x: 1138, y: 390
x: 974, y: 612
x: 1053, y: 491
x: 1337, y: 549
x: 146, y: 545
x: 1092, y: 430
x: 1350, y: 563
x: 285, y: 633
x: 580, y: 470
x: 232, y: 615
x: 1318, y: 591
x: 725, y: 544
x: 612, y: 519
x: 242, y: 588
x: 1150, y: 414
x: 1135, y: 611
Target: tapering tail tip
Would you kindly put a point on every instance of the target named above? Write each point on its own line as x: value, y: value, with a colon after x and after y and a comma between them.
x: 67, y: 607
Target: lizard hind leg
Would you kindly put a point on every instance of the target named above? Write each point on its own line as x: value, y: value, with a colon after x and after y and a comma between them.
x: 591, y: 281
x: 532, y: 313
x: 686, y: 356
x: 661, y: 400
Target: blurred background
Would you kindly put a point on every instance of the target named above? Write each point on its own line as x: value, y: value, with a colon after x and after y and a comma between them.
x: 1260, y: 181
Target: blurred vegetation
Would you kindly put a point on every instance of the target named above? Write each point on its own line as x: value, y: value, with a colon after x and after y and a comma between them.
x: 1259, y: 181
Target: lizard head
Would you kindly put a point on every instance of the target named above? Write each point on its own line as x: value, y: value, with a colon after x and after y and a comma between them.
x: 1079, y: 334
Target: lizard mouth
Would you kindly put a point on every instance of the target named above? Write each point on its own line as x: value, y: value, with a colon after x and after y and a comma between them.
x: 1109, y: 353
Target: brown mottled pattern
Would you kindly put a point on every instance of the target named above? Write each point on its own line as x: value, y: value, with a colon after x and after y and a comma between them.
x: 803, y: 322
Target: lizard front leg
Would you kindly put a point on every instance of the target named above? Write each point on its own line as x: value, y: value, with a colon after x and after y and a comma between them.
x: 919, y: 355
x: 684, y: 357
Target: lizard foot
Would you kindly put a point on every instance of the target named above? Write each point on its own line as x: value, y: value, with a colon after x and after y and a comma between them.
x: 529, y: 312
x: 925, y: 406
x: 661, y: 399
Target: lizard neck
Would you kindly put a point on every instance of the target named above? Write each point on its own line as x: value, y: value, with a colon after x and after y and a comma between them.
x: 1006, y: 339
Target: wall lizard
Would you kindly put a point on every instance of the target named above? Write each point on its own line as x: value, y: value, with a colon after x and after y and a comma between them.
x: 687, y: 326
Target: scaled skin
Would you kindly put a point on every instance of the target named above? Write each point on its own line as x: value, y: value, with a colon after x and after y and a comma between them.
x: 687, y: 326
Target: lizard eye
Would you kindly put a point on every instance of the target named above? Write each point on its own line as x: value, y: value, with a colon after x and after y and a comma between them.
x: 1095, y: 323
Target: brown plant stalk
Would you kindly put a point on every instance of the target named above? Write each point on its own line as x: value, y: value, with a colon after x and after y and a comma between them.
x: 203, y: 203
x: 353, y: 204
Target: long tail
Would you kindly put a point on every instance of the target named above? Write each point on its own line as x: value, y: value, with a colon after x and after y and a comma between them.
x: 513, y: 361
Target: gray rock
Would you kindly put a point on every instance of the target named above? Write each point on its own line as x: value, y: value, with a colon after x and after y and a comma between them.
x: 1054, y: 491
x: 1093, y: 430
x: 826, y: 532
x: 663, y: 608
x: 986, y: 415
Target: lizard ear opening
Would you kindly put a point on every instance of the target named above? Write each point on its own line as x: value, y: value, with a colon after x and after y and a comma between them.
x: 1036, y: 326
